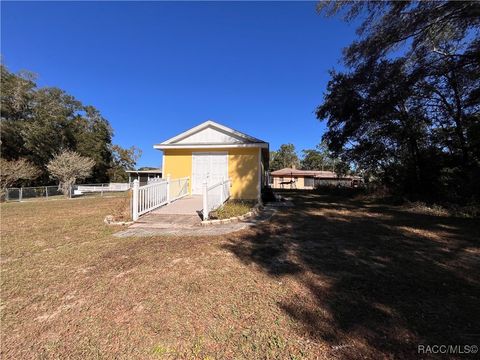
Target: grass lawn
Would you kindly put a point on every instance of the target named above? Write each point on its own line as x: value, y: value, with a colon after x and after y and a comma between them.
x: 329, y: 278
x: 233, y: 208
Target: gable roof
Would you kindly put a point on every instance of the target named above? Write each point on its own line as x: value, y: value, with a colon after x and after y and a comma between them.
x: 211, y: 134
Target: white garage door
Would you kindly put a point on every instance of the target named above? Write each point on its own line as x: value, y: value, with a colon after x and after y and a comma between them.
x: 211, y: 167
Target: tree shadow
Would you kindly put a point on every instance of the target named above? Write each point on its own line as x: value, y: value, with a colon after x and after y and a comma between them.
x: 377, y: 280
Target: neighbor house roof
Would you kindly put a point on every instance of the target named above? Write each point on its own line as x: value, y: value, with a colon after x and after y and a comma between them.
x: 211, y: 134
x: 153, y: 171
x: 313, y: 173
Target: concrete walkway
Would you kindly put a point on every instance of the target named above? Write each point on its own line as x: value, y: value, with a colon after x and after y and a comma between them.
x: 183, y: 217
x: 188, y: 205
x: 188, y: 225
x: 184, y: 213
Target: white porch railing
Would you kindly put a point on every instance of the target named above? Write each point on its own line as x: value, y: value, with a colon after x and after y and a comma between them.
x: 178, y: 188
x: 151, y: 196
x: 102, y: 187
x: 214, y: 196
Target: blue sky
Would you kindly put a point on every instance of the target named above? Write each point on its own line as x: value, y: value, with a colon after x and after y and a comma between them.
x: 155, y: 69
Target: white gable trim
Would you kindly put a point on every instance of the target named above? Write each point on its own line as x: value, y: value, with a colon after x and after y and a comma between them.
x: 234, y: 135
x: 211, y: 135
x: 210, y: 146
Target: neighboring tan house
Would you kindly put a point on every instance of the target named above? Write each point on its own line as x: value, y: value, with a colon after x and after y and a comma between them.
x: 289, y: 178
x: 211, y: 152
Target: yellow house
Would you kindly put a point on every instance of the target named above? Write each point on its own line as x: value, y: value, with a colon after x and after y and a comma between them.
x: 211, y: 152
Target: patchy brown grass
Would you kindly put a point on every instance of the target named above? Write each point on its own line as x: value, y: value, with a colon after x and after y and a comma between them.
x: 121, y: 210
x: 468, y: 211
x: 329, y: 278
x: 233, y: 208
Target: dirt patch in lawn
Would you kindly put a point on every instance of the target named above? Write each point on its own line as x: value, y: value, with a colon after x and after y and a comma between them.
x: 328, y: 278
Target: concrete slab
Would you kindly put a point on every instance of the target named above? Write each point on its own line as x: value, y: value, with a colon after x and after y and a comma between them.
x: 167, y: 221
x: 198, y: 231
x: 187, y: 225
x: 188, y: 205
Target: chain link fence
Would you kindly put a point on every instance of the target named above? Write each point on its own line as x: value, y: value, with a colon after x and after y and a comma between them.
x: 76, y: 191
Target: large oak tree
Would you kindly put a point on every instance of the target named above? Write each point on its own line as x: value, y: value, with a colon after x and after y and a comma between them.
x: 407, y: 107
x: 37, y: 123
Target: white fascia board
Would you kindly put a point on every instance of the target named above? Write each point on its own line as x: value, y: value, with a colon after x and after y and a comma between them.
x: 209, y: 146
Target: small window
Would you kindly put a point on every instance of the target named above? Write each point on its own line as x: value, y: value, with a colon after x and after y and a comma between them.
x: 308, y: 181
x: 270, y: 179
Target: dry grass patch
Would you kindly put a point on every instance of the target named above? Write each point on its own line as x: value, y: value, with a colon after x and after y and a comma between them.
x: 319, y: 281
x: 233, y: 208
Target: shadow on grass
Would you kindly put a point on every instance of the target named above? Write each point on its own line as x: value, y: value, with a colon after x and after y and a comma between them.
x: 375, y: 278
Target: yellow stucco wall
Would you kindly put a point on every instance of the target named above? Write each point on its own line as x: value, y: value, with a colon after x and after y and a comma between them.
x: 243, y: 168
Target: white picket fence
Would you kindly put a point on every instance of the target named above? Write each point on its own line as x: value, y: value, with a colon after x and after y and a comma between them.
x: 102, y: 187
x: 214, y: 196
x: 158, y: 193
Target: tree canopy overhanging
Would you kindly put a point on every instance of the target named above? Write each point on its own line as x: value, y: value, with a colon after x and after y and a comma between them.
x: 407, y: 109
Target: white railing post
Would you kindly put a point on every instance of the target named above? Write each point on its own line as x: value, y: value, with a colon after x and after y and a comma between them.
x: 168, y: 188
x: 205, y: 201
x: 151, y: 196
x: 135, y: 200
